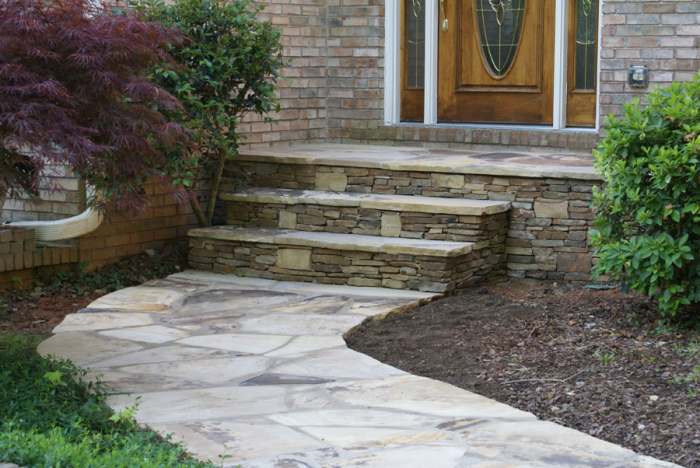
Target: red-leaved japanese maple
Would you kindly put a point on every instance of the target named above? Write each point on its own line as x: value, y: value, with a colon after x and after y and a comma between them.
x: 73, y: 91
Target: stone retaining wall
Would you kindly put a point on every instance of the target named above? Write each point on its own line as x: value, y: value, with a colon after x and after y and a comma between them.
x: 353, y: 268
x: 548, y: 223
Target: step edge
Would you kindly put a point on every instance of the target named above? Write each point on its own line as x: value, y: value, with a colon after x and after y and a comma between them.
x: 287, y: 237
x: 374, y: 292
x: 492, y: 207
x: 514, y: 170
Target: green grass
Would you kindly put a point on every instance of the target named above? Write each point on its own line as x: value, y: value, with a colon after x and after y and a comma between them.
x: 51, y: 417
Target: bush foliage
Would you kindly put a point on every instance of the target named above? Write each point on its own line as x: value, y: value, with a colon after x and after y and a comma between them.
x: 227, y: 67
x: 74, y: 91
x: 49, y: 417
x: 648, y: 212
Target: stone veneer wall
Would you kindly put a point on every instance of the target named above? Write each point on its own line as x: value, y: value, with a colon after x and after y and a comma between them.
x: 548, y: 223
x: 486, y: 231
x: 327, y: 266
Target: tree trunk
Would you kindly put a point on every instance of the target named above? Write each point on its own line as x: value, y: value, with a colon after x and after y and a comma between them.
x: 197, y: 209
x: 215, y: 186
x: 3, y: 197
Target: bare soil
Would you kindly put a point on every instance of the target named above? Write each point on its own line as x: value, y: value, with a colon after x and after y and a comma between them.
x: 38, y: 310
x: 593, y: 360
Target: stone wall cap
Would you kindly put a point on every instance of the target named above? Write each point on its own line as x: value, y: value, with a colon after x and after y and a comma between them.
x: 333, y: 241
x: 495, y: 161
x: 405, y: 203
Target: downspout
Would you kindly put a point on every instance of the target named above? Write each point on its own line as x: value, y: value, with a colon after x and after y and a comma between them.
x: 64, y: 229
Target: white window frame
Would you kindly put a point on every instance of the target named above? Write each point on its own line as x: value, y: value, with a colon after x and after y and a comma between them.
x: 392, y: 70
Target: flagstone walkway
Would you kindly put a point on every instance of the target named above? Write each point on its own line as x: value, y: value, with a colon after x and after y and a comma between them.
x: 255, y: 373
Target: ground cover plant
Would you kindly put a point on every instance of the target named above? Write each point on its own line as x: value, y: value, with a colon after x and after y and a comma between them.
x: 225, y: 69
x: 648, y: 211
x: 595, y: 360
x: 74, y: 91
x: 52, y: 417
x: 49, y: 416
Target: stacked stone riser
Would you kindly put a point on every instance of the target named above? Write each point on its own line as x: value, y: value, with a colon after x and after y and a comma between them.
x: 353, y: 268
x: 548, y: 223
x: 485, y: 230
x: 488, y: 232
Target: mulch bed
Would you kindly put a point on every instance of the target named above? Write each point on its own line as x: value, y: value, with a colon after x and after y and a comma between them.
x: 39, y: 314
x: 593, y: 360
x: 38, y: 310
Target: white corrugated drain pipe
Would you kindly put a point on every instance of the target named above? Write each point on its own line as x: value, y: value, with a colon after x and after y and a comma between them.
x: 64, y: 229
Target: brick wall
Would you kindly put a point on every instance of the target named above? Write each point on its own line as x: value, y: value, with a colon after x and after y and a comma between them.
x: 303, y: 87
x: 355, y: 65
x: 20, y: 255
x: 333, y: 85
x: 332, y: 89
x: 166, y: 219
x: 59, y: 196
x: 662, y: 34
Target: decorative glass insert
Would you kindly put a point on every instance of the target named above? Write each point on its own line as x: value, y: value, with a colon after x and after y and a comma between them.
x: 586, y: 43
x: 500, y: 25
x: 415, y: 43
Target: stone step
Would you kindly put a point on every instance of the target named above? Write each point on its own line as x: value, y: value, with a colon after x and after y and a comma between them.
x: 550, y: 192
x: 417, y: 204
x: 411, y: 217
x: 502, y: 161
x: 329, y: 258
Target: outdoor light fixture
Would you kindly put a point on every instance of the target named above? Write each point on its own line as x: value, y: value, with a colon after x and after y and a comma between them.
x: 638, y: 76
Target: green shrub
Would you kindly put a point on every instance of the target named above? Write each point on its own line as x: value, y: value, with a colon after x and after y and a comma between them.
x: 228, y: 67
x: 648, y: 212
x: 49, y: 416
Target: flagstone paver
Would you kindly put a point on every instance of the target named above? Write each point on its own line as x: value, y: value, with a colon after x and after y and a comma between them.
x: 255, y: 373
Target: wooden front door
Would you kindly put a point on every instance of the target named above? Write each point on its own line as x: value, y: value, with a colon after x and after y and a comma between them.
x: 496, y: 61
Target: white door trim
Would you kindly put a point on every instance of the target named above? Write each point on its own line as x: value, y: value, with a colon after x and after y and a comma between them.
x: 430, y: 93
x: 598, y: 121
x: 392, y: 72
x: 392, y: 62
x: 561, y: 41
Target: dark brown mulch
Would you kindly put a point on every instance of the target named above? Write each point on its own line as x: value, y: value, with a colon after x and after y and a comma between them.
x: 38, y: 310
x: 592, y: 360
x: 39, y: 315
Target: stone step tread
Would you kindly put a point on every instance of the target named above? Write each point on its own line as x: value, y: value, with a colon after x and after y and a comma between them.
x: 326, y: 240
x: 405, y: 203
x: 494, y: 161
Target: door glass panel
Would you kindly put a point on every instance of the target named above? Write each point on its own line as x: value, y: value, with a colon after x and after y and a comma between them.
x: 586, y: 43
x: 415, y: 43
x: 500, y: 24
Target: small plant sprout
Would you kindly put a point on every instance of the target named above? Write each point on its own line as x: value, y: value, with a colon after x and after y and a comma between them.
x: 606, y: 357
